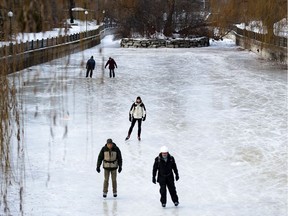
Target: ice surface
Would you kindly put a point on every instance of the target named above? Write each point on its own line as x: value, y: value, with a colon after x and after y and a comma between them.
x: 221, y: 111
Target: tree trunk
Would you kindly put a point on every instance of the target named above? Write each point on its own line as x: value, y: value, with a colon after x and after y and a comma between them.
x: 71, y: 5
x: 168, y: 28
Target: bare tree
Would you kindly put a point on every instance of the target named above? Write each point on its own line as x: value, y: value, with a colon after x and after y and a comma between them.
x: 225, y: 14
x: 159, y: 16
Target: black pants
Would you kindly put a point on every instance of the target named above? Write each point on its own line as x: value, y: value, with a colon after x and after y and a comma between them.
x: 168, y: 183
x: 112, y: 73
x: 132, y: 125
x: 91, y: 72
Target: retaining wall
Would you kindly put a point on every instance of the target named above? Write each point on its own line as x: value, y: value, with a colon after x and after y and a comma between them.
x: 161, y: 43
x: 276, y: 51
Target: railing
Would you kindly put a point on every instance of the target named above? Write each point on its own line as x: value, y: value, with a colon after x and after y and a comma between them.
x: 276, y: 40
x: 18, y: 56
x: 16, y: 48
x: 268, y: 47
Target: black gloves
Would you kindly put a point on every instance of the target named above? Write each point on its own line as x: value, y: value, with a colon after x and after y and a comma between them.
x: 98, y: 169
x: 177, y: 177
x: 130, y: 118
x: 119, y: 169
x: 144, y: 118
x: 154, y: 180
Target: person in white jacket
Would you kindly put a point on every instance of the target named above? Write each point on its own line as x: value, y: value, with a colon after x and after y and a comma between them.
x: 137, y: 113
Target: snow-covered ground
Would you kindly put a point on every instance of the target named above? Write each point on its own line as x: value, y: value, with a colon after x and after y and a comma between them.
x: 221, y: 111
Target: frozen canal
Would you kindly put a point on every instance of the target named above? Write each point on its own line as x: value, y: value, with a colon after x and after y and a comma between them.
x: 221, y: 111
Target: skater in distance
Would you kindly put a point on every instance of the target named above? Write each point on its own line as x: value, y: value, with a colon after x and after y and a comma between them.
x: 112, y: 64
x: 111, y: 156
x: 137, y: 113
x: 164, y: 165
x: 90, y: 66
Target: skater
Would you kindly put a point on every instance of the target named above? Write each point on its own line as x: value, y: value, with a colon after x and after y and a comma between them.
x: 137, y: 113
x: 112, y: 64
x: 164, y: 164
x: 110, y: 154
x: 90, y: 66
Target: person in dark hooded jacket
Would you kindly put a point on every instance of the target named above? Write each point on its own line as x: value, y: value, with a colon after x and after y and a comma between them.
x: 112, y: 64
x: 90, y: 66
x: 111, y: 156
x: 165, y: 164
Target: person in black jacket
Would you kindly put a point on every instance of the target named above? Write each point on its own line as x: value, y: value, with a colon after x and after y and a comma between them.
x: 111, y: 156
x: 90, y: 66
x: 165, y: 165
x: 112, y: 64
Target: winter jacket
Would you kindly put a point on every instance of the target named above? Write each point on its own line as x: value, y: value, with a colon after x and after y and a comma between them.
x: 111, y: 158
x: 164, y: 168
x: 138, y: 110
x: 111, y: 64
x: 90, y: 64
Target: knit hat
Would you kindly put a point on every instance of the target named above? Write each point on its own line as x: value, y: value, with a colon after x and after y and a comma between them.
x: 109, y: 141
x: 163, y: 149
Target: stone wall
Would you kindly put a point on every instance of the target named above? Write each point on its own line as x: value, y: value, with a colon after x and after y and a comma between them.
x: 162, y: 43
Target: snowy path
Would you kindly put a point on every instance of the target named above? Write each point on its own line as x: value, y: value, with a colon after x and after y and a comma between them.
x: 221, y: 111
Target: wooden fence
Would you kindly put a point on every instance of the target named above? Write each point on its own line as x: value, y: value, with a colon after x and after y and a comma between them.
x: 15, y: 57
